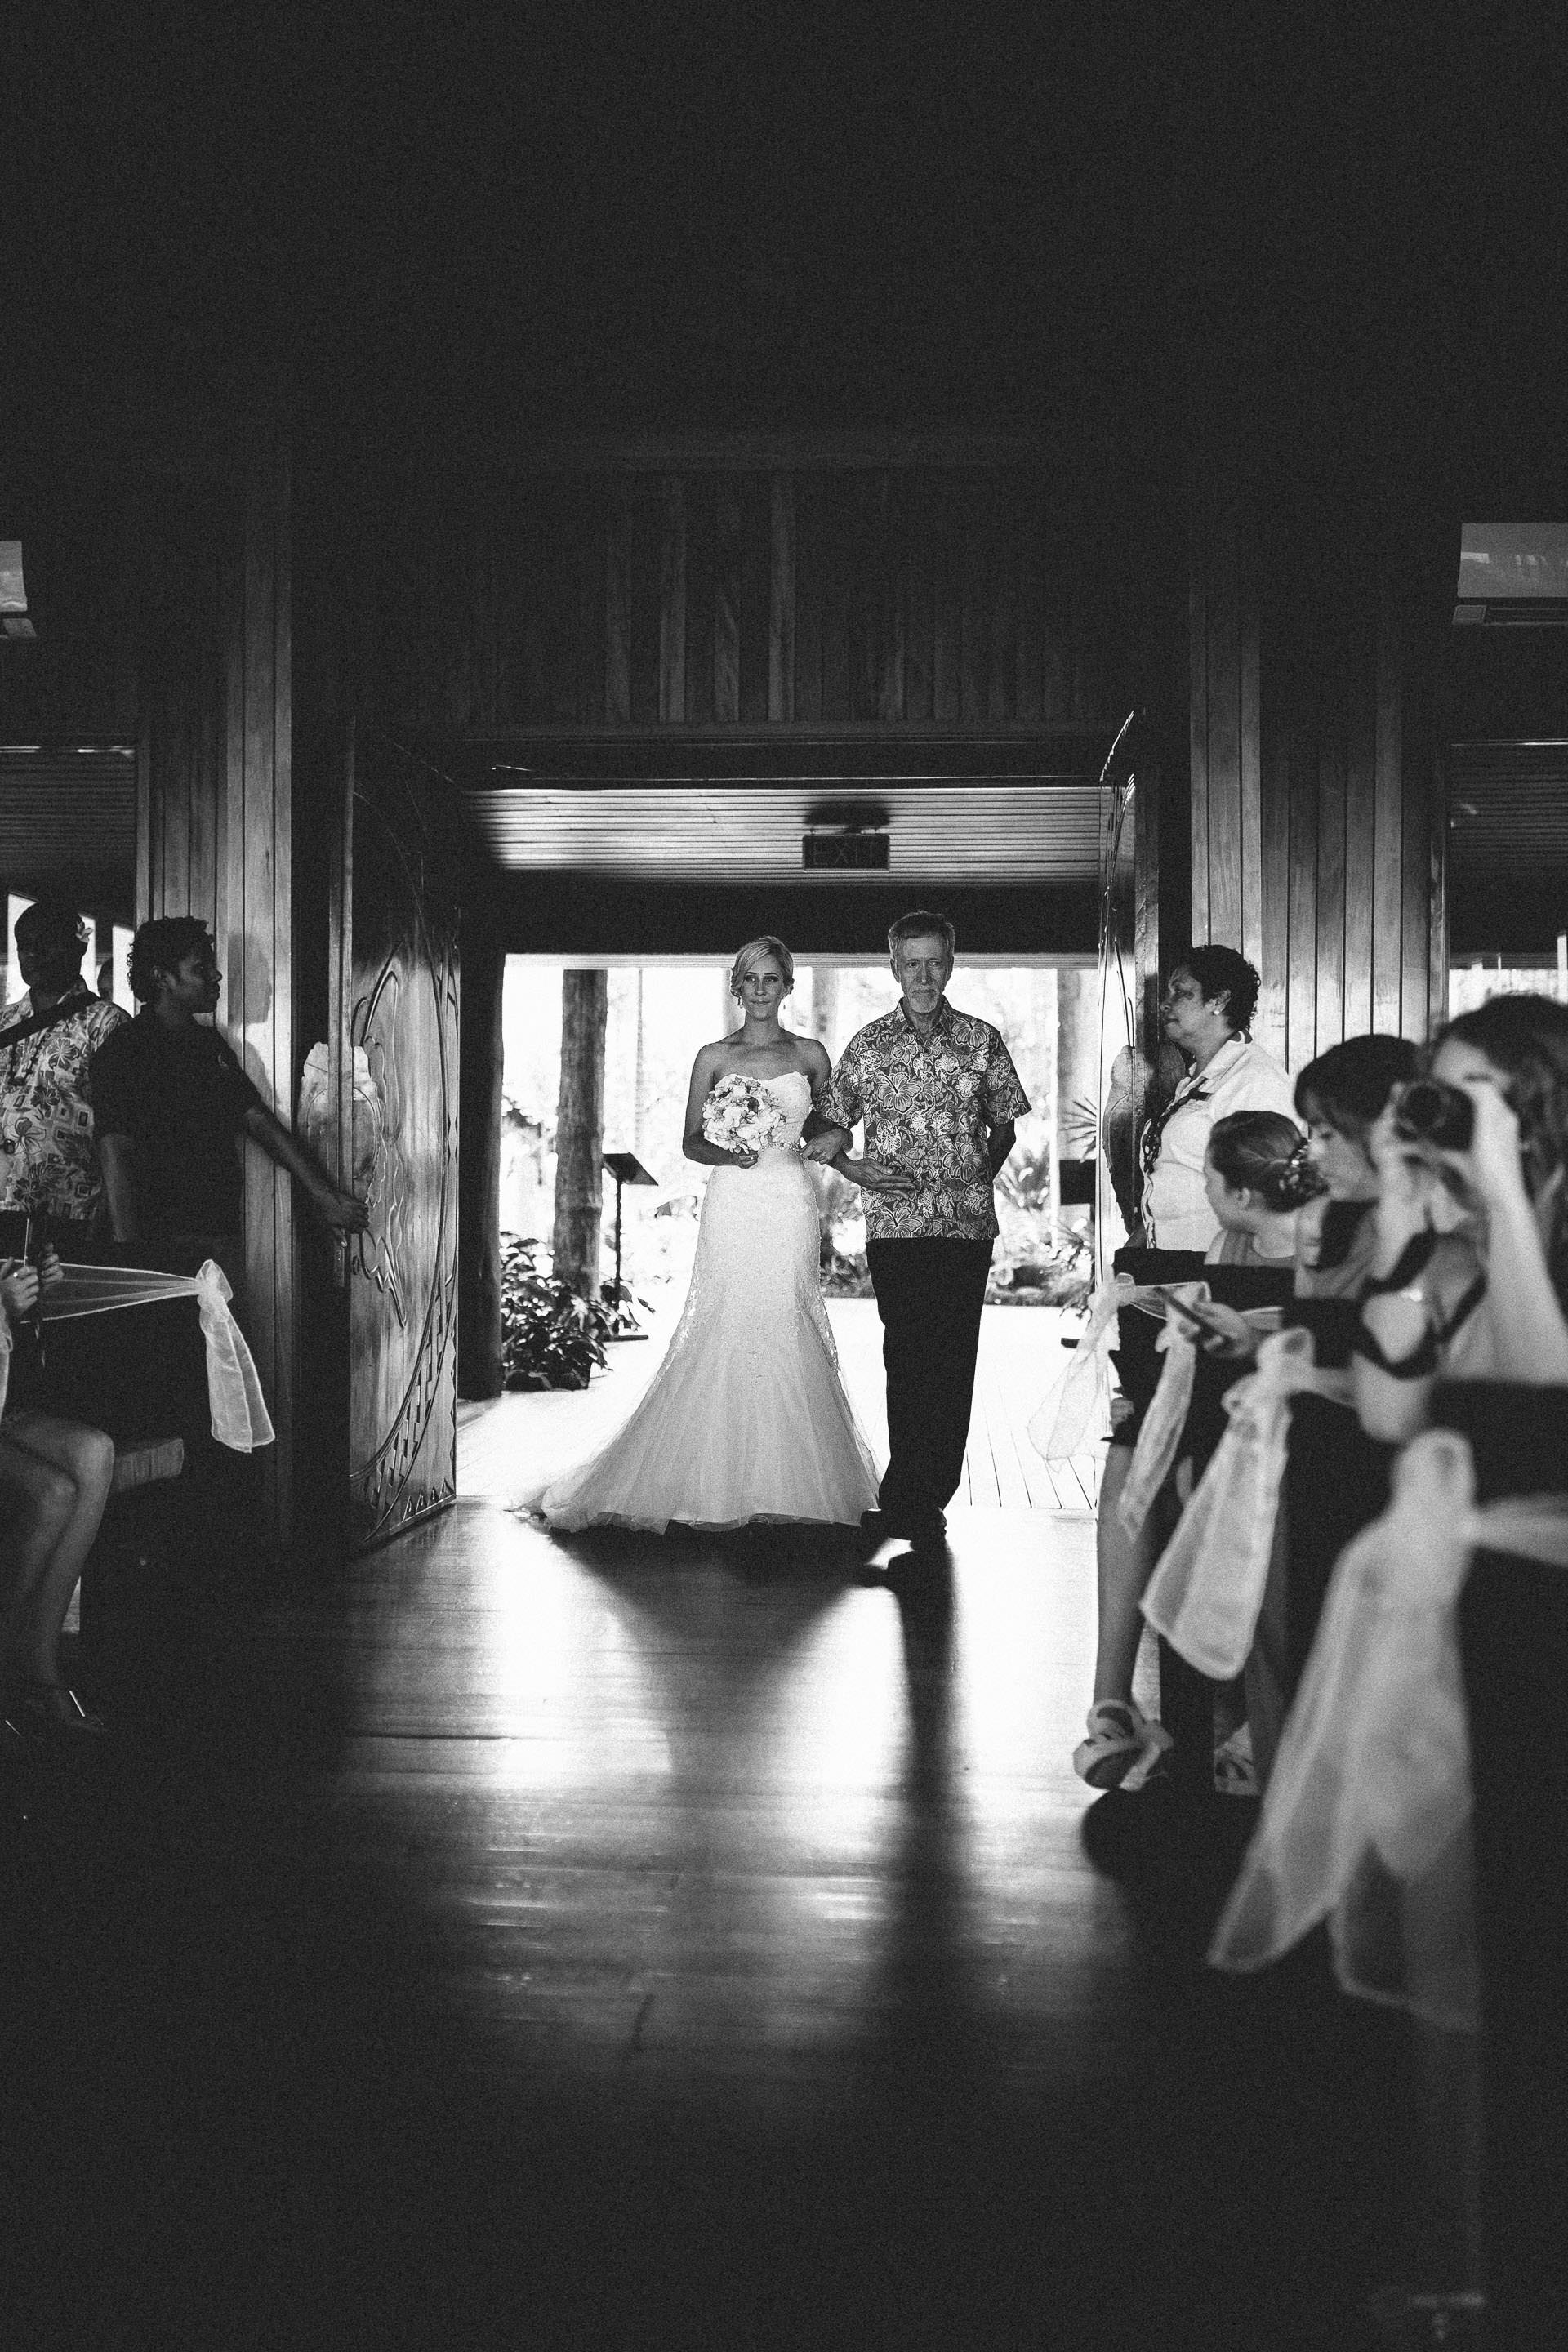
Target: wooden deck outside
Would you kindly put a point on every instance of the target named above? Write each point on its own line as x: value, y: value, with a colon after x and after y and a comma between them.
x: 505, y: 1445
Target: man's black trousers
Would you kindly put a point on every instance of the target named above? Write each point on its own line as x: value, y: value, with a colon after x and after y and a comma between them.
x: 928, y: 1295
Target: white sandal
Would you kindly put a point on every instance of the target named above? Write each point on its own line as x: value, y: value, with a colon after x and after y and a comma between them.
x: 1235, y: 1769
x: 1123, y: 1748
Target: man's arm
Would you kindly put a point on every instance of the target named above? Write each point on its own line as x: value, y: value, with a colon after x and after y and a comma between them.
x: 341, y: 1210
x: 116, y: 1159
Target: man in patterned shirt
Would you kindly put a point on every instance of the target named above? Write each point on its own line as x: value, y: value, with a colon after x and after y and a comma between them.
x: 46, y: 1041
x: 940, y: 1098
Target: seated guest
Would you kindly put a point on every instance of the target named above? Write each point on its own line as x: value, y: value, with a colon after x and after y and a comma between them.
x: 172, y: 1103
x: 1257, y: 1185
x: 1388, y: 1780
x: 1206, y: 1011
x: 1335, y: 1478
x: 47, y: 1040
x: 54, y: 1483
x: 1510, y: 1057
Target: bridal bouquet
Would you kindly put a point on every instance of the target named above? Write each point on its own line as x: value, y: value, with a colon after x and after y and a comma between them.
x: 740, y: 1114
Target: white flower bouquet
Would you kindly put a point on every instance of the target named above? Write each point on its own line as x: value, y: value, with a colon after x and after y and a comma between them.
x: 740, y: 1114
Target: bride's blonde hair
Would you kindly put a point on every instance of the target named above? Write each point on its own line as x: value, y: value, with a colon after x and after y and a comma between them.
x: 751, y: 954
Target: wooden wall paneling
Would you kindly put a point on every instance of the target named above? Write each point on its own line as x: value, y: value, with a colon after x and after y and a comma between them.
x: 701, y: 492
x: 919, y: 623
x: 893, y: 600
x: 947, y: 600
x: 864, y: 521
x: 1028, y: 528
x: 1333, y: 652
x: 618, y: 607
x: 1388, y: 826
x: 1277, y: 650
x: 588, y: 517
x: 974, y: 600
x: 1224, y: 731
x: 672, y: 601
x: 837, y: 559
x: 510, y: 543
x: 806, y: 495
x: 1198, y: 741
x: 1415, y: 991
x: 1056, y: 622
x: 1361, y: 817
x: 1002, y: 668
x: 645, y: 553
x: 145, y: 802
x: 728, y: 568
x: 1250, y: 723
x: 1437, y: 945
x: 781, y: 597
x: 757, y: 595
x: 1301, y: 741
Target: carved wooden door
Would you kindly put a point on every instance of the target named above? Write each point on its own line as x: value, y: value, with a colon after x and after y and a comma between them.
x: 393, y: 1083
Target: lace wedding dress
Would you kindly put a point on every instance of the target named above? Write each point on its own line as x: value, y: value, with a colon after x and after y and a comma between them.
x: 746, y: 1418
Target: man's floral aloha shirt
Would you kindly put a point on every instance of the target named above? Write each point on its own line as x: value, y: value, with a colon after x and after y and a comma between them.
x: 47, y: 1160
x: 926, y: 1110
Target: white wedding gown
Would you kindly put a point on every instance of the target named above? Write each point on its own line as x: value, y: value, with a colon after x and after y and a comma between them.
x: 746, y: 1418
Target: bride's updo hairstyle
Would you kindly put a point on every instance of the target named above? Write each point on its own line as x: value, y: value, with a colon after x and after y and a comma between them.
x: 1260, y: 1152
x: 1525, y: 1039
x: 752, y: 952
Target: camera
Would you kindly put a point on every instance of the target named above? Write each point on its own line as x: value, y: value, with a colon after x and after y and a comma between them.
x: 1428, y: 1111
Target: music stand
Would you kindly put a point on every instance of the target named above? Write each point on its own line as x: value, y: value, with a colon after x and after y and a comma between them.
x: 627, y: 1170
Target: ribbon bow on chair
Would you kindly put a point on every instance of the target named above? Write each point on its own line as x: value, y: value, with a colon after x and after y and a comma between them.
x: 1366, y: 1818
x: 1207, y: 1593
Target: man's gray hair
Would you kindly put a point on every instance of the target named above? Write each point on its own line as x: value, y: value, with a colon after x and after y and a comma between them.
x: 922, y: 925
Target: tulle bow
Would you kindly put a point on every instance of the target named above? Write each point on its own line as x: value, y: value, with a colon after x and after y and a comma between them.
x: 1075, y: 1412
x: 1366, y: 1821
x: 1205, y: 1594
x: 239, y: 1416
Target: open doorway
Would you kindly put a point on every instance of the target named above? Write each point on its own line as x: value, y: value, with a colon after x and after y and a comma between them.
x: 658, y: 1011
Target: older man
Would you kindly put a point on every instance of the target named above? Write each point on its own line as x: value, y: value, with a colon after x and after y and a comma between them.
x: 940, y: 1098
x: 46, y: 1042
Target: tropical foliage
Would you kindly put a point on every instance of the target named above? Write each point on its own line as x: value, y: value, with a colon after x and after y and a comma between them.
x: 551, y: 1338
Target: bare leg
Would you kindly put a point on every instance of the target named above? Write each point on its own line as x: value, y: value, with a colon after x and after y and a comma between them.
x: 83, y: 1458
x: 39, y: 1501
x: 1124, y: 1565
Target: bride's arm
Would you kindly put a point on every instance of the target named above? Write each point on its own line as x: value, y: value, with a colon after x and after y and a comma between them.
x: 821, y: 1138
x: 694, y: 1143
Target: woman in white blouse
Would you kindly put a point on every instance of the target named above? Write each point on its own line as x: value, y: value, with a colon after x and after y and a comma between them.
x: 1206, y: 1008
x: 1206, y: 1013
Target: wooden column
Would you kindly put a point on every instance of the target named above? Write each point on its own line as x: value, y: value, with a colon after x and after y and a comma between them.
x: 216, y: 738
x: 479, y: 1160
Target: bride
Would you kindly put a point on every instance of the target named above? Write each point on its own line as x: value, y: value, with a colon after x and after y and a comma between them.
x: 746, y: 1418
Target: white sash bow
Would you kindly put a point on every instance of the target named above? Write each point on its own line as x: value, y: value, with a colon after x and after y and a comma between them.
x: 1206, y: 1592
x: 239, y: 1416
x: 1366, y: 1821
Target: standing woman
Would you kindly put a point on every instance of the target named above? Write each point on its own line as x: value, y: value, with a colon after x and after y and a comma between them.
x: 1206, y: 1011
x: 746, y: 1418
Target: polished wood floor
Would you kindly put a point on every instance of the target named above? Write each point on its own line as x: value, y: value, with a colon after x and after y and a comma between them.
x: 507, y: 1441
x: 684, y: 1944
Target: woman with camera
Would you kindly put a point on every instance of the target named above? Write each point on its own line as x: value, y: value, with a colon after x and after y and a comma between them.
x: 1426, y: 1726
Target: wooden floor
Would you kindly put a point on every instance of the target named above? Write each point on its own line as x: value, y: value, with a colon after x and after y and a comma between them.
x: 679, y: 1944
x: 511, y: 1441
